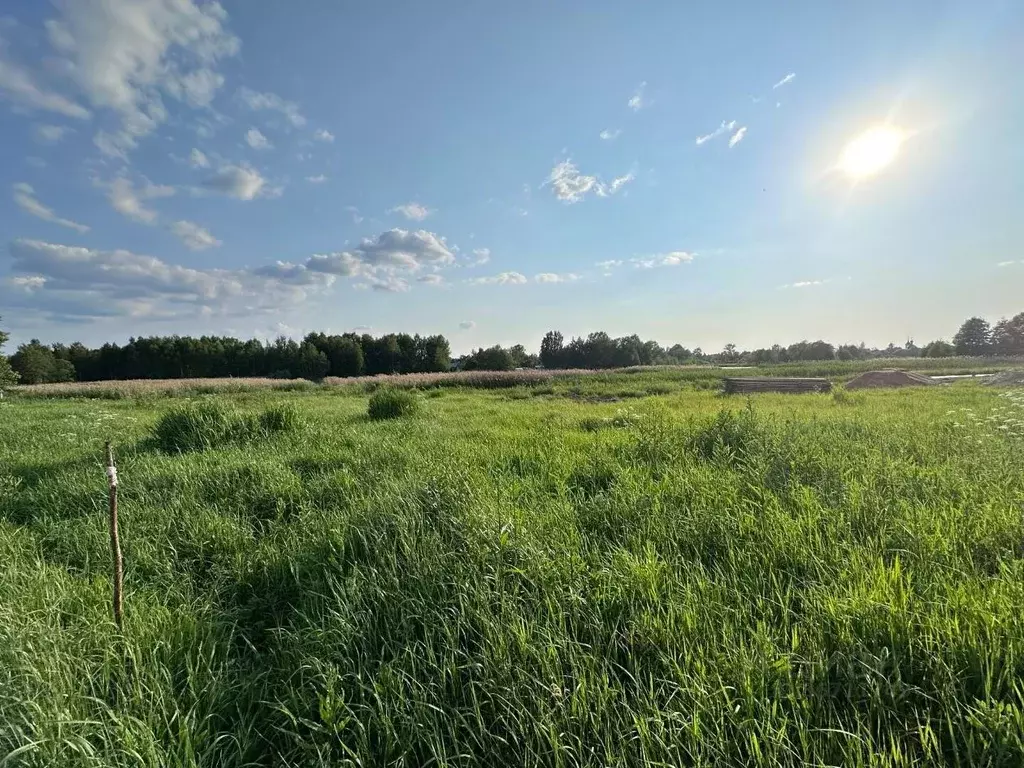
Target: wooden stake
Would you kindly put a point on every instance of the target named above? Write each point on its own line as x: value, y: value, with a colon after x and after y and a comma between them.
x: 115, y: 540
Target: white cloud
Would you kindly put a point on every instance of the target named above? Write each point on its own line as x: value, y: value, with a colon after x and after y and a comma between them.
x: 125, y: 55
x: 784, y: 80
x: 571, y: 186
x: 804, y: 284
x: 390, y: 284
x: 84, y: 282
x: 1009, y: 263
x: 737, y: 137
x: 725, y: 127
x: 396, y: 250
x: 25, y: 198
x: 51, y: 133
x: 505, y: 278
x: 467, y: 325
x: 357, y: 217
x: 318, y: 179
x: 670, y: 259
x: 618, y: 183
x: 19, y: 86
x: 480, y: 256
x: 609, y: 135
x: 430, y: 279
x: 269, y: 101
x: 128, y: 201
x: 551, y: 277
x: 198, y: 160
x: 194, y: 236
x: 324, y: 135
x: 636, y: 101
x: 412, y: 211
x: 240, y: 182
x: 257, y: 140
x: 608, y: 265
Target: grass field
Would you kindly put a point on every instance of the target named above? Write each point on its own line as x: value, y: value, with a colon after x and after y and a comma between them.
x: 524, y: 576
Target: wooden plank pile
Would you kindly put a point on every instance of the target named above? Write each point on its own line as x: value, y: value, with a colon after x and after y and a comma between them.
x: 751, y: 385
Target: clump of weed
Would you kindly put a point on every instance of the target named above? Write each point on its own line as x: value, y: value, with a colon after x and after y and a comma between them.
x: 392, y: 404
x: 729, y: 436
x: 199, y: 426
x: 280, y: 418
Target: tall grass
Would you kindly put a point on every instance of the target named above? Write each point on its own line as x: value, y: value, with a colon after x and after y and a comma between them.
x: 790, y: 581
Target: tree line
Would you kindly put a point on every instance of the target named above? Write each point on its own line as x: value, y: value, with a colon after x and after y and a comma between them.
x: 184, y: 357
x: 350, y: 354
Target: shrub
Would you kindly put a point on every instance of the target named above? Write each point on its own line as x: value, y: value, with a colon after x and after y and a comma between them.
x: 392, y: 404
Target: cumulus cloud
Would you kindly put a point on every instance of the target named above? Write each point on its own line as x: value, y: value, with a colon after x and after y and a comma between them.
x: 412, y: 211
x: 480, y: 256
x: 19, y: 86
x: 670, y: 259
x: 396, y: 250
x: 571, y: 186
x: 505, y: 278
x: 390, y: 284
x: 257, y: 140
x: 784, y: 80
x: 637, y: 101
x: 318, y: 179
x: 86, y: 282
x: 237, y: 181
x: 608, y: 264
x: 128, y: 201
x: 269, y: 101
x: 51, y: 133
x: 609, y: 135
x: 551, y: 277
x: 467, y: 325
x: 737, y: 137
x: 725, y: 127
x: 324, y: 135
x: 25, y: 198
x: 430, y: 279
x: 194, y: 236
x: 126, y: 55
x: 198, y: 160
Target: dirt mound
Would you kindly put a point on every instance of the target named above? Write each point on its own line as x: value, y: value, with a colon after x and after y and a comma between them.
x: 889, y: 378
x: 1014, y: 378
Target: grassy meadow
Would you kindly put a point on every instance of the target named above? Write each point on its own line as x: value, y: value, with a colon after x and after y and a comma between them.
x: 630, y: 570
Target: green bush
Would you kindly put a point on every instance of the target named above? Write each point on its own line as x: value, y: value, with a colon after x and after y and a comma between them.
x: 392, y: 404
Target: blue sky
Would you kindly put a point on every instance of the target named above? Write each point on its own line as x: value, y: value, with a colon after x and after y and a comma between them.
x: 491, y: 172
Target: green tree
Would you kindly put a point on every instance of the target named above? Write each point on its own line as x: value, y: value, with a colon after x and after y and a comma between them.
x: 437, y: 354
x: 35, y: 363
x: 8, y: 375
x: 1008, y: 336
x: 551, y: 350
x: 938, y: 348
x: 311, y: 363
x: 974, y: 338
x: 491, y: 359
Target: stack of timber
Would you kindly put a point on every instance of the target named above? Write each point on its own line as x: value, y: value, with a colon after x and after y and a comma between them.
x: 749, y: 385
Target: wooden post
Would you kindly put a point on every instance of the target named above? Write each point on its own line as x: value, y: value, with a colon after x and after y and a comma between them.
x: 115, y: 541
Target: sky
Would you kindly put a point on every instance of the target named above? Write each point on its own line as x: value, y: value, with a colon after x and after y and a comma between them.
x: 490, y: 172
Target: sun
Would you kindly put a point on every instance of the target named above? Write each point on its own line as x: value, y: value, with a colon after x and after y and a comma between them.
x: 870, y: 152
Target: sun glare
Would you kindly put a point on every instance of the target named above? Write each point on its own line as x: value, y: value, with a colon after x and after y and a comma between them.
x: 870, y: 152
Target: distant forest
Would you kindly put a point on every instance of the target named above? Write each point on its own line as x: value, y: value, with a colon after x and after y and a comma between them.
x: 319, y: 355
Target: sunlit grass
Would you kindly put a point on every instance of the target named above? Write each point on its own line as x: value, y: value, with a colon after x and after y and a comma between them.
x: 520, y: 578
